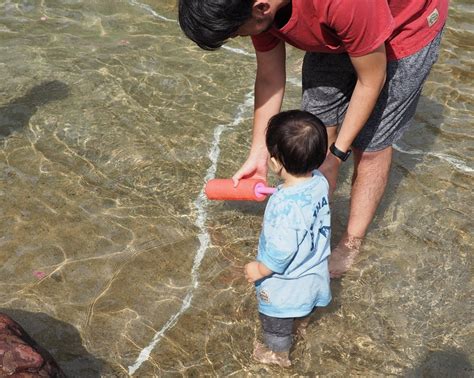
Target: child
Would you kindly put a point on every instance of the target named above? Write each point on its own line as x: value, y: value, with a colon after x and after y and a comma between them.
x: 291, y: 270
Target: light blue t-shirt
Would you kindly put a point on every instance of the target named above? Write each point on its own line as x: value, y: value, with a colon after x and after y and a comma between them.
x: 295, y: 245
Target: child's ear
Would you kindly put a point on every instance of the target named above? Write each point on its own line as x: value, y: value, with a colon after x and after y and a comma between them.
x: 275, y: 165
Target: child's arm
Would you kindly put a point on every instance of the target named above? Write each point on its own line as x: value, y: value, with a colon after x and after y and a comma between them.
x: 255, y: 271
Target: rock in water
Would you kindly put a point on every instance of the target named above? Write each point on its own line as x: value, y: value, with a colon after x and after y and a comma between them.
x: 21, y: 356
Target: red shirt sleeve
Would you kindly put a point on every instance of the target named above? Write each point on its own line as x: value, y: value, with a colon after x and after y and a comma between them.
x: 362, y: 25
x: 264, y: 41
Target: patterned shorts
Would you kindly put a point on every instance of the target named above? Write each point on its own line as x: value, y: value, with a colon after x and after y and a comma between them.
x: 329, y: 80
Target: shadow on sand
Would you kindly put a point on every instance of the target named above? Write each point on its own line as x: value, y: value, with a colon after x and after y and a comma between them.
x: 443, y: 363
x: 16, y: 115
x: 62, y: 341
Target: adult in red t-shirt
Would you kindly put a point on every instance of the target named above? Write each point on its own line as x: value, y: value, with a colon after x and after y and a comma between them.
x: 358, y: 27
x: 363, y: 72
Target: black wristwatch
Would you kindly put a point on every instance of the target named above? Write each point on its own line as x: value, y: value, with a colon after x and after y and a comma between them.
x: 338, y: 153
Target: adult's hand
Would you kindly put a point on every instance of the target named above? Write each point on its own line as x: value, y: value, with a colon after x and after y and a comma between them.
x: 330, y: 170
x: 254, y: 167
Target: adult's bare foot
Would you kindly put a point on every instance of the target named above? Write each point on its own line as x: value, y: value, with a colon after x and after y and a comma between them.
x: 342, y: 257
x: 266, y: 356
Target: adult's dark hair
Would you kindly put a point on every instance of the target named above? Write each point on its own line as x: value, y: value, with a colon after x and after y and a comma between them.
x: 210, y: 23
x: 298, y: 140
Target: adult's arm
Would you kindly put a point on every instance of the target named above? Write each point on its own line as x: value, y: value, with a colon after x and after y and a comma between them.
x: 371, y: 73
x: 269, y: 90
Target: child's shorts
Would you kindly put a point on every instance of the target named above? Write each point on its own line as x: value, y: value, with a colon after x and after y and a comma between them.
x: 329, y: 80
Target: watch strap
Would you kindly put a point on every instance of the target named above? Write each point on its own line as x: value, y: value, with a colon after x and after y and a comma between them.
x: 338, y: 153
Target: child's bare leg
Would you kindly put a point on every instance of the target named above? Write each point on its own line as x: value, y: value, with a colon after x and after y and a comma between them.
x: 300, y: 326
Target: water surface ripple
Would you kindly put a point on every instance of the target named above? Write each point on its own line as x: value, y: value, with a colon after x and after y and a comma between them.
x: 111, y: 121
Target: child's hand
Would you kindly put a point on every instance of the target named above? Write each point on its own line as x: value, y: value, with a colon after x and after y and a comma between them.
x: 255, y: 271
x: 251, y: 271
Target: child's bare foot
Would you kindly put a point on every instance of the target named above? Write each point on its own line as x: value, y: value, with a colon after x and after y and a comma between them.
x: 266, y: 356
x: 342, y: 257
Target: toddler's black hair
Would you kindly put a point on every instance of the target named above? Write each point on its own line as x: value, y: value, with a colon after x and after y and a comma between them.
x: 298, y: 140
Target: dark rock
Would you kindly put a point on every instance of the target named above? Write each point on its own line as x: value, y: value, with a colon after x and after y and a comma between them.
x: 21, y: 356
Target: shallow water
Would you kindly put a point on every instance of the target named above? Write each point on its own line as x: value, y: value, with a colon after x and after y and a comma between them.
x: 110, y: 123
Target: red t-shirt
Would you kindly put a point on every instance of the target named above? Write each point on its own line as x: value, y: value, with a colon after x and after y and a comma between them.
x: 359, y: 26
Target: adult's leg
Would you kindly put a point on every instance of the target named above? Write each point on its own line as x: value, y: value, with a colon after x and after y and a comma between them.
x: 369, y: 180
x: 372, y: 148
x: 328, y: 80
x: 371, y: 171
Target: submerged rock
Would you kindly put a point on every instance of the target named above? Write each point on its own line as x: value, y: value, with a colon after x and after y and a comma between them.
x: 21, y: 356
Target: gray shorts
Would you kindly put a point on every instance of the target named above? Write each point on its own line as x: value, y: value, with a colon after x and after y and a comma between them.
x: 329, y: 79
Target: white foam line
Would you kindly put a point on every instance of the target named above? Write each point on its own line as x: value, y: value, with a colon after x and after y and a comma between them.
x: 150, y: 10
x: 204, y: 239
x: 456, y: 163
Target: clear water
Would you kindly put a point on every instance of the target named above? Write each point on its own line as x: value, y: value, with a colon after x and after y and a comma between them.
x: 110, y: 123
